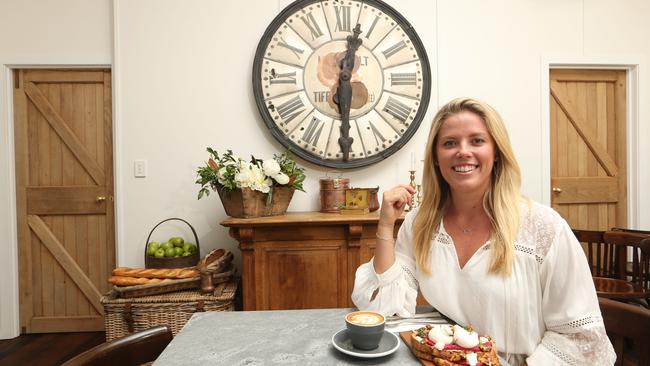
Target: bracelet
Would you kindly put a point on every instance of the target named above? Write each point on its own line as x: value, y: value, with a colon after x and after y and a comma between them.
x: 386, y: 239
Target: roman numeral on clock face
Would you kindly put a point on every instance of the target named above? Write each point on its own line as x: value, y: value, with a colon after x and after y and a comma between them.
x: 313, y: 131
x: 310, y: 22
x: 296, y: 51
x: 394, y: 49
x: 284, y: 78
x: 290, y: 109
x: 372, y: 27
x: 342, y: 19
x: 402, y: 78
x: 379, y: 138
x: 397, y: 109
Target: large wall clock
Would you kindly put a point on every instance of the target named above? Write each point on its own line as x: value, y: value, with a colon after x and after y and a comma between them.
x: 341, y: 84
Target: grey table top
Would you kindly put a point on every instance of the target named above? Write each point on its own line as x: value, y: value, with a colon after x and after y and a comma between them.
x: 287, y: 337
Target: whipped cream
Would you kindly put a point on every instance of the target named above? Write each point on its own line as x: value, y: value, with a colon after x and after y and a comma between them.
x: 472, y: 359
x: 441, y: 333
x: 464, y: 338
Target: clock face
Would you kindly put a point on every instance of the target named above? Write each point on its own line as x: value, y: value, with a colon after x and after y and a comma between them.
x: 296, y: 75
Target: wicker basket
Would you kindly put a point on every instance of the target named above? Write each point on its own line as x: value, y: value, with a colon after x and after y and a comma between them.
x: 180, y: 262
x: 125, y: 316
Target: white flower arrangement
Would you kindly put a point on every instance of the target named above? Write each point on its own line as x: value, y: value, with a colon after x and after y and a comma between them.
x: 230, y: 172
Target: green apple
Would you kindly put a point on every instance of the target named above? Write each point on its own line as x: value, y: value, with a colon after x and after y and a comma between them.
x: 186, y: 254
x: 179, y: 251
x: 166, y: 245
x: 177, y: 241
x: 189, y: 247
x: 152, y: 247
x: 151, y: 250
x: 170, y: 252
x: 160, y: 253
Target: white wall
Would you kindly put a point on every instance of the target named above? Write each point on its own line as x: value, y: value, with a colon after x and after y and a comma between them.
x: 182, y: 73
x: 183, y: 82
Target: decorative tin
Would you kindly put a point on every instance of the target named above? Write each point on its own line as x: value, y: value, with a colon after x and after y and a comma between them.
x: 332, y: 194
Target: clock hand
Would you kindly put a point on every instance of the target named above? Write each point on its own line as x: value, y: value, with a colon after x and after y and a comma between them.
x: 343, y: 96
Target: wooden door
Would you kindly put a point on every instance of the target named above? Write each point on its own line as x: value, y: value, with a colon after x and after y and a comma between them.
x: 64, y: 187
x: 588, y: 147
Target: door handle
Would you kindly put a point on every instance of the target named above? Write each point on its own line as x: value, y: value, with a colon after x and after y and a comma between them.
x: 100, y: 199
x: 557, y: 190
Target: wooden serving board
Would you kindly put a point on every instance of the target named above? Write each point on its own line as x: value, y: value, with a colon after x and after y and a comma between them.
x: 171, y: 286
x: 406, y: 337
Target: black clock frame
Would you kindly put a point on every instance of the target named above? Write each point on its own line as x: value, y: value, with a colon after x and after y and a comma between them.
x: 296, y: 149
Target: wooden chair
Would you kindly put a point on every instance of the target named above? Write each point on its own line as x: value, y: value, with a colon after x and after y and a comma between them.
x: 639, y: 274
x: 133, y: 349
x: 600, y: 255
x: 638, y: 244
x: 607, y: 256
x: 627, y: 325
x: 640, y: 232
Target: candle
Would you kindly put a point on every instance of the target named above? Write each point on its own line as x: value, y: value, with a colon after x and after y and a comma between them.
x: 412, y: 161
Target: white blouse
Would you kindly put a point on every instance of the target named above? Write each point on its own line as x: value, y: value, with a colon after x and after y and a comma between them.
x: 545, y: 313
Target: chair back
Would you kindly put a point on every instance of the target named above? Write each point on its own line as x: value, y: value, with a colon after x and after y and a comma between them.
x: 639, y: 244
x: 600, y: 254
x: 642, y: 232
x: 133, y: 349
x: 627, y: 326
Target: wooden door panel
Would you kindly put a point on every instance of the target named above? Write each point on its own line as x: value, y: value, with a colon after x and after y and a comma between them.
x: 586, y: 189
x: 67, y: 135
x: 64, y: 261
x: 65, y: 76
x: 575, y: 114
x: 588, y: 161
x: 60, y: 200
x: 64, y: 199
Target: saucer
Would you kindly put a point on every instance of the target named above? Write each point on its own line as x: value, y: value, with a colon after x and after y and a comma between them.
x: 388, y: 344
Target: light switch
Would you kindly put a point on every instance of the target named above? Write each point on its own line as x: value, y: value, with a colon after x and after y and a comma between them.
x: 140, y: 168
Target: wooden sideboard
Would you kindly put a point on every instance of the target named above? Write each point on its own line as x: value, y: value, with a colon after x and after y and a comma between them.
x: 302, y: 260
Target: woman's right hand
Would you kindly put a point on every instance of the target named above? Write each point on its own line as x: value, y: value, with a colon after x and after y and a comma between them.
x: 394, y: 202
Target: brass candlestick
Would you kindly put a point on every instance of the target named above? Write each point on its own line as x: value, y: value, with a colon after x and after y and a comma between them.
x: 412, y: 183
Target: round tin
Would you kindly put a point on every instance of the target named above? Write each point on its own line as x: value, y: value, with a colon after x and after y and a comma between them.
x: 332, y: 194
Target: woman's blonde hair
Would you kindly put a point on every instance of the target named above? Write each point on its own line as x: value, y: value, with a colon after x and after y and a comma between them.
x: 501, y: 201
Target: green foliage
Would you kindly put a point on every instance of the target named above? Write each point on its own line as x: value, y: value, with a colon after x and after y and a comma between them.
x: 221, y: 172
x: 289, y: 167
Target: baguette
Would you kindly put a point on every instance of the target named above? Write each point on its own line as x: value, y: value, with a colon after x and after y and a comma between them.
x: 155, y: 272
x: 133, y: 281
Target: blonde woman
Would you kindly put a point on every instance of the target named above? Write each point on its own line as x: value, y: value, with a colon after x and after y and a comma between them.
x: 481, y: 254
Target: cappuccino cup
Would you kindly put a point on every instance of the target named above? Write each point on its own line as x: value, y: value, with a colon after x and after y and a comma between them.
x: 365, y: 328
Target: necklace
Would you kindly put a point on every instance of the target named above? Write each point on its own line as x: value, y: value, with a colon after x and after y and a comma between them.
x: 465, y: 230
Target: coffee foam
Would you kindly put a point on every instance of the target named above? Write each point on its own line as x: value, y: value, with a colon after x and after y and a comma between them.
x: 365, y: 318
